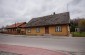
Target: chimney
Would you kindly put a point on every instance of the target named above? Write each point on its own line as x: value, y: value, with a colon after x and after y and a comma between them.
x: 15, y: 24
x: 53, y: 13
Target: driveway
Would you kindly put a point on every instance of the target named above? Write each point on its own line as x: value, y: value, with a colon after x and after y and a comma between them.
x: 73, y: 45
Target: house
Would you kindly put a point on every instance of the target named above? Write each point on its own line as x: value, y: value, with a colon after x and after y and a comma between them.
x: 2, y: 30
x: 16, y: 28
x: 23, y: 28
x: 56, y: 24
x: 77, y: 29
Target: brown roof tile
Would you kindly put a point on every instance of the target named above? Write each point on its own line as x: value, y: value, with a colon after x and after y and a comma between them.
x: 62, y: 18
x: 23, y: 26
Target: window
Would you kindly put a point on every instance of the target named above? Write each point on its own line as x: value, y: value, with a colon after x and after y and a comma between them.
x: 29, y: 29
x: 37, y: 29
x: 58, y: 29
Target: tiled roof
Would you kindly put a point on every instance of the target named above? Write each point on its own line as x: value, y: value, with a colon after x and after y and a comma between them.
x: 62, y: 18
x: 16, y: 25
x: 23, y: 26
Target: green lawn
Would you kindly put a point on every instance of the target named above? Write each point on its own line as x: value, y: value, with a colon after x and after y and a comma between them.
x: 78, y: 34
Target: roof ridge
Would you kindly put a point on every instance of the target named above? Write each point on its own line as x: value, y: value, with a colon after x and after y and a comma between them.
x: 51, y: 15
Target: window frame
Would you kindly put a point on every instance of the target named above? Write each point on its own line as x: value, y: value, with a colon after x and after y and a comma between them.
x: 37, y: 29
x: 58, y: 29
x: 28, y: 30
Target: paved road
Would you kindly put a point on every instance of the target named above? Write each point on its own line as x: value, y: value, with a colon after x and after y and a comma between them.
x: 56, y: 43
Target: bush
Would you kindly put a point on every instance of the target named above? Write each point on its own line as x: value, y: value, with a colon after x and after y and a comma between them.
x: 78, y: 34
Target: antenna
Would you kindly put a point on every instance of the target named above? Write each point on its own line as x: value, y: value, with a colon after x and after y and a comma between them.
x: 67, y: 8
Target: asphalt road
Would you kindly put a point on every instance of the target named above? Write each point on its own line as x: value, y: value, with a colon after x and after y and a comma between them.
x: 69, y: 44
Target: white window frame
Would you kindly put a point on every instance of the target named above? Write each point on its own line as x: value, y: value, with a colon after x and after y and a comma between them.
x: 38, y: 29
x: 29, y: 30
x: 58, y: 29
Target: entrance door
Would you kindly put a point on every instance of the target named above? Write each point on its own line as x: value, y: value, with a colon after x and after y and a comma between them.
x: 46, y: 30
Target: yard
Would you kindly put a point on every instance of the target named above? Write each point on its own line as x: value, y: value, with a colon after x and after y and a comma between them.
x: 78, y: 34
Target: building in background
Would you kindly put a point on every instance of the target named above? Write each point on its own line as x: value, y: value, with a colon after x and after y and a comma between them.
x: 16, y: 28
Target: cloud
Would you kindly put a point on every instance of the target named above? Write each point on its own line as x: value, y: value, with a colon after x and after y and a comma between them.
x: 12, y: 11
x: 77, y: 8
x: 75, y: 2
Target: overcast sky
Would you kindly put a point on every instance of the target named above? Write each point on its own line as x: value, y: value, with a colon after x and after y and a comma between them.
x: 12, y: 11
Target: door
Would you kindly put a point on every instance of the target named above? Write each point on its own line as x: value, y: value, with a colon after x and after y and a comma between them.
x: 46, y: 30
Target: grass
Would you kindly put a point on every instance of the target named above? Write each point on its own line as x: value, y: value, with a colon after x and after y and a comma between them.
x: 78, y: 34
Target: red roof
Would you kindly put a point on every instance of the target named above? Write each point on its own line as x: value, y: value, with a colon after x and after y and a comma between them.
x: 22, y: 26
x: 16, y: 25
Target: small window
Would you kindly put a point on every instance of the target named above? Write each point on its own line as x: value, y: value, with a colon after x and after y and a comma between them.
x: 37, y: 29
x: 58, y: 29
x: 29, y: 29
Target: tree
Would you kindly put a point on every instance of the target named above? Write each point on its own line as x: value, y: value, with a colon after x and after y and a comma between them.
x: 81, y: 25
x: 73, y: 24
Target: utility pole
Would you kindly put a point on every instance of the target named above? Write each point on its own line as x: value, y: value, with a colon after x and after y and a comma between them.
x: 67, y: 7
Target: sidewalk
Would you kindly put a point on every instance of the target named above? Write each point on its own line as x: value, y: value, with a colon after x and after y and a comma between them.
x: 22, y: 50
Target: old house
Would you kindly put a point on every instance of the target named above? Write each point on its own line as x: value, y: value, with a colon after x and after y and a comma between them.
x: 2, y: 30
x: 16, y: 28
x: 56, y: 24
x: 23, y: 28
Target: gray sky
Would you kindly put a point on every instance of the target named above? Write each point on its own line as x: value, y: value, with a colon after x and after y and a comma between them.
x: 12, y: 11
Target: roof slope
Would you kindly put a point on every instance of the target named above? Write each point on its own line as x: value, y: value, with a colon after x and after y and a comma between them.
x: 61, y: 18
x: 16, y: 25
x: 23, y: 26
